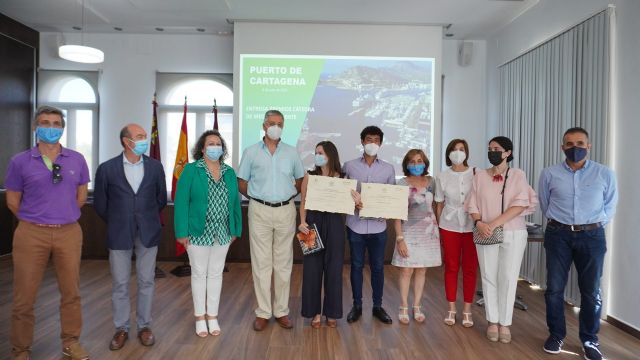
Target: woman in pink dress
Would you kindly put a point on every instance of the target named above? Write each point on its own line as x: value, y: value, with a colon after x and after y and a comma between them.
x: 417, y: 240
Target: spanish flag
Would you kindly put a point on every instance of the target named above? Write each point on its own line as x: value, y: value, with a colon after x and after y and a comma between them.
x: 182, y: 159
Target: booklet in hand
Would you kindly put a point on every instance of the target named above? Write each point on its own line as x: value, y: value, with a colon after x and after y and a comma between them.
x: 310, y: 242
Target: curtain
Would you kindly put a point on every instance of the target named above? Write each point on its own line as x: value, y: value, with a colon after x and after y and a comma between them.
x: 562, y: 83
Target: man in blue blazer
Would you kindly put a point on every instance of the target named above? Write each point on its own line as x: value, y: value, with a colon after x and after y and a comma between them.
x: 129, y: 193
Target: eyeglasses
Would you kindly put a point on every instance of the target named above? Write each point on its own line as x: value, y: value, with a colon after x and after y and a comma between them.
x: 55, y: 173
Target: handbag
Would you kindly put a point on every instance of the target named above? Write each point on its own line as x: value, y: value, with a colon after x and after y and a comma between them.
x: 497, y: 237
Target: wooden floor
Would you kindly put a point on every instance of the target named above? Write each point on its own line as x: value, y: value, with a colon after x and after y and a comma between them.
x: 366, y: 339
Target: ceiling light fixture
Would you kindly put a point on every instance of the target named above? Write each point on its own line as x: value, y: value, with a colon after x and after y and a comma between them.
x: 81, y: 53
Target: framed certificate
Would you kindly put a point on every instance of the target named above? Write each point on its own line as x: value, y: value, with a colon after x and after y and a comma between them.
x: 384, y: 201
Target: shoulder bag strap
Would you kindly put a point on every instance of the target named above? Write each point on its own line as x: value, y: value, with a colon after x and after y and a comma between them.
x: 506, y: 176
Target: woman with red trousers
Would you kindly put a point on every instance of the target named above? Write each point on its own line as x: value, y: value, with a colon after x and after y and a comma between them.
x: 456, y: 230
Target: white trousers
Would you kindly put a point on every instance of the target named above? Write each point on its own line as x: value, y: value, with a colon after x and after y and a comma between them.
x: 207, y: 265
x: 271, y: 232
x: 499, y: 269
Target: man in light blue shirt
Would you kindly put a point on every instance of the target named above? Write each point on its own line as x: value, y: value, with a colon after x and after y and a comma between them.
x: 270, y: 175
x: 578, y: 197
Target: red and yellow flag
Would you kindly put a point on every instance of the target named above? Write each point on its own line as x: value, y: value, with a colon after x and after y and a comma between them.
x: 182, y: 159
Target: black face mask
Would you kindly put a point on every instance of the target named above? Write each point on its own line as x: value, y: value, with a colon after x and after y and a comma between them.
x: 495, y: 157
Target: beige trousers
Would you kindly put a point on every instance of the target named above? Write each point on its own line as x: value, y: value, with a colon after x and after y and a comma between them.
x: 271, y: 232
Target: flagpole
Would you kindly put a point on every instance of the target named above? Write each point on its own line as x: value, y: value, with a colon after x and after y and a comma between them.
x: 215, y: 114
x: 154, y: 153
x: 182, y: 159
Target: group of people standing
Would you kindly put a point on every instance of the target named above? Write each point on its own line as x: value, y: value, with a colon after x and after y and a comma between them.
x: 47, y: 185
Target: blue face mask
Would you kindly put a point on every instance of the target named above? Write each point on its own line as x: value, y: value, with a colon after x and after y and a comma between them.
x: 416, y: 170
x: 140, y: 147
x: 575, y: 154
x: 214, y: 152
x: 320, y: 160
x: 49, y: 135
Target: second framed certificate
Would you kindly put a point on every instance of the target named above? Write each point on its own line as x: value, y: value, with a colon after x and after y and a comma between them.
x: 384, y: 201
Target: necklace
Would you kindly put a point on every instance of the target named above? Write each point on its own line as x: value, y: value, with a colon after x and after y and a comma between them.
x: 497, y: 176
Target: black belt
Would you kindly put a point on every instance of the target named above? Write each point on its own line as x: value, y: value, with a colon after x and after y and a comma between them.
x: 575, y: 228
x: 277, y: 204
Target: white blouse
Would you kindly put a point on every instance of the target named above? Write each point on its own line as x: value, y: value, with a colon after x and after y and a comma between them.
x: 453, y: 188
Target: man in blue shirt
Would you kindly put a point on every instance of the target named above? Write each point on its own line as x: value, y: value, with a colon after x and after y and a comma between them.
x: 578, y: 197
x: 368, y: 234
x: 130, y: 191
x: 270, y: 175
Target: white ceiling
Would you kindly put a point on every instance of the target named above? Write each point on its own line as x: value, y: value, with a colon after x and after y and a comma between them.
x: 470, y: 19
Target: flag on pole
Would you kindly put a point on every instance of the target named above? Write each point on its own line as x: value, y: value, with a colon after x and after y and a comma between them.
x: 182, y: 158
x: 215, y: 115
x: 154, y: 153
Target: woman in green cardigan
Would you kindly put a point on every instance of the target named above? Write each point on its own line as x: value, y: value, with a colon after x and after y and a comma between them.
x: 207, y: 220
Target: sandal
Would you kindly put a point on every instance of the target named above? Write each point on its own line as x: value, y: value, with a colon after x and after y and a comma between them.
x: 332, y: 323
x: 504, y: 334
x: 467, y: 320
x: 403, y: 315
x: 214, y: 327
x: 418, y: 315
x: 201, y: 328
x: 492, y: 333
x: 451, y: 318
x: 315, y: 322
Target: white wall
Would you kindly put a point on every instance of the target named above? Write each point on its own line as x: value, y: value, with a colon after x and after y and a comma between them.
x: 464, y: 101
x: 127, y: 81
x: 541, y: 22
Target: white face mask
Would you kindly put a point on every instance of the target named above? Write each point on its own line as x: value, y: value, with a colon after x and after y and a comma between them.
x: 371, y: 149
x: 457, y: 156
x: 274, y: 132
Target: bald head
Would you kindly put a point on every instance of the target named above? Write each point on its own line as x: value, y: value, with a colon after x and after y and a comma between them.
x: 131, y: 132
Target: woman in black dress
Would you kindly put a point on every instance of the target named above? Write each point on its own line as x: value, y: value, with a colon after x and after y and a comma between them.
x: 326, y: 263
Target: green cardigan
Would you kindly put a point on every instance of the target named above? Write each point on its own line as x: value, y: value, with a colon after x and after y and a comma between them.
x: 190, y: 205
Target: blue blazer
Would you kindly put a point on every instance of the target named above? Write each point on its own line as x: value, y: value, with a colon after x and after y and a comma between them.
x: 125, y: 212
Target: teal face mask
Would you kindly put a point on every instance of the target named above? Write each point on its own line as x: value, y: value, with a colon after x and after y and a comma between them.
x: 416, y: 170
x: 49, y: 135
x: 140, y: 147
x: 214, y: 152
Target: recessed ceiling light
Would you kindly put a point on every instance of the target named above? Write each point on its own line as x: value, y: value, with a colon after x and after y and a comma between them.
x: 200, y: 30
x: 77, y: 28
x: 159, y: 29
x: 116, y: 28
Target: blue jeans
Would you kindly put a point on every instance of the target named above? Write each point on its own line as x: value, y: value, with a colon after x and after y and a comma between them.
x: 586, y: 250
x: 375, y: 244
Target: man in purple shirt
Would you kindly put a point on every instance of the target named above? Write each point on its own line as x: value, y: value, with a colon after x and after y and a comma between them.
x: 368, y: 234
x: 46, y: 187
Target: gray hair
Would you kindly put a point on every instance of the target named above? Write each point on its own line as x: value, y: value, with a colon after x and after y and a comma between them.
x: 45, y: 109
x: 272, y: 113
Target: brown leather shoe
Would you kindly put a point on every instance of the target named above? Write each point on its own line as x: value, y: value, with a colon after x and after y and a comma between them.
x: 284, y: 322
x: 119, y: 338
x: 260, y: 324
x: 146, y: 337
x: 21, y: 356
x: 75, y: 352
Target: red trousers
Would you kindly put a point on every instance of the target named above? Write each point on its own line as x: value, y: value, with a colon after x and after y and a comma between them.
x: 459, y: 250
